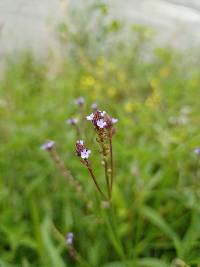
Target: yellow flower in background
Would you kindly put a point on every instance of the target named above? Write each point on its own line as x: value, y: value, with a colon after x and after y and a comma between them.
x: 154, y: 99
x: 164, y: 72
x: 155, y: 82
x: 131, y: 106
x: 87, y: 82
x: 100, y: 72
x: 112, y: 92
x: 100, y: 62
x: 120, y: 76
x: 128, y: 107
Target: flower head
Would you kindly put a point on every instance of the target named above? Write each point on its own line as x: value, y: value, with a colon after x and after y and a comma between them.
x: 97, y: 118
x: 101, y: 120
x: 48, y: 146
x: 101, y: 123
x: 79, y: 101
x: 72, y: 121
x: 69, y: 239
x: 197, y: 151
x: 82, y: 151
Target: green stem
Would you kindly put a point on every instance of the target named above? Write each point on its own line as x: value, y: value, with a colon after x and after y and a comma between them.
x: 95, y: 180
x: 107, y: 178
x: 111, y: 164
x: 105, y: 163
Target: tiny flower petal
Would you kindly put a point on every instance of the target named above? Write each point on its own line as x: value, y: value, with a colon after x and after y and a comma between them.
x: 85, y: 154
x: 103, y: 113
x: 69, y: 239
x: 114, y: 120
x: 197, y: 151
x: 48, y: 146
x: 72, y: 121
x: 101, y: 123
x: 80, y: 142
x: 90, y: 117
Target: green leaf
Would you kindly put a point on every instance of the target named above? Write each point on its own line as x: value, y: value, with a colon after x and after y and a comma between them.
x: 155, y: 218
x: 114, y: 264
x: 154, y: 181
x: 151, y: 262
x: 51, y: 250
x: 5, y: 264
x: 145, y: 262
x: 192, y: 234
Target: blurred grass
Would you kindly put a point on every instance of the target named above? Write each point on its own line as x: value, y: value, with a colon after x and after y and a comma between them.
x: 155, y: 94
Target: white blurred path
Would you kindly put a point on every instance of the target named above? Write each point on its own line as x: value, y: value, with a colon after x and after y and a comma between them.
x: 30, y: 23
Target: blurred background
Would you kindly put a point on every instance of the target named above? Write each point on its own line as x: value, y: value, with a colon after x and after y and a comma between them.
x: 29, y: 25
x: 139, y: 61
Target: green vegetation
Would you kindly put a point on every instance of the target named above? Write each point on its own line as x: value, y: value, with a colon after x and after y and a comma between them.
x: 155, y: 215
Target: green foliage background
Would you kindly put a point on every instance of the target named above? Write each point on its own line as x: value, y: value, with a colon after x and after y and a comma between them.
x: 155, y: 94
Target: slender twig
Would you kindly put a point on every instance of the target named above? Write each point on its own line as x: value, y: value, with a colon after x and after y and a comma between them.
x: 107, y: 178
x: 111, y: 163
x: 95, y: 180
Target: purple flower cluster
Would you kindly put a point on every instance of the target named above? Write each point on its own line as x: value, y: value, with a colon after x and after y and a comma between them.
x: 104, y: 129
x: 82, y: 151
x: 101, y: 120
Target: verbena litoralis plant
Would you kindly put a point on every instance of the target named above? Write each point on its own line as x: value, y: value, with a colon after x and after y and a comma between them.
x: 104, y: 128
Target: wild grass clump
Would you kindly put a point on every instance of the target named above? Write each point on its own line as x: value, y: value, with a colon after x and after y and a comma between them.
x: 52, y: 214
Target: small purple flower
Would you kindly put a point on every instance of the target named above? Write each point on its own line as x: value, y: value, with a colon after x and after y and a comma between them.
x: 69, y: 239
x: 90, y: 117
x: 101, y: 123
x: 197, y: 151
x: 94, y: 106
x: 72, y: 121
x: 82, y: 151
x: 48, y: 146
x: 79, y: 101
x: 85, y: 154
